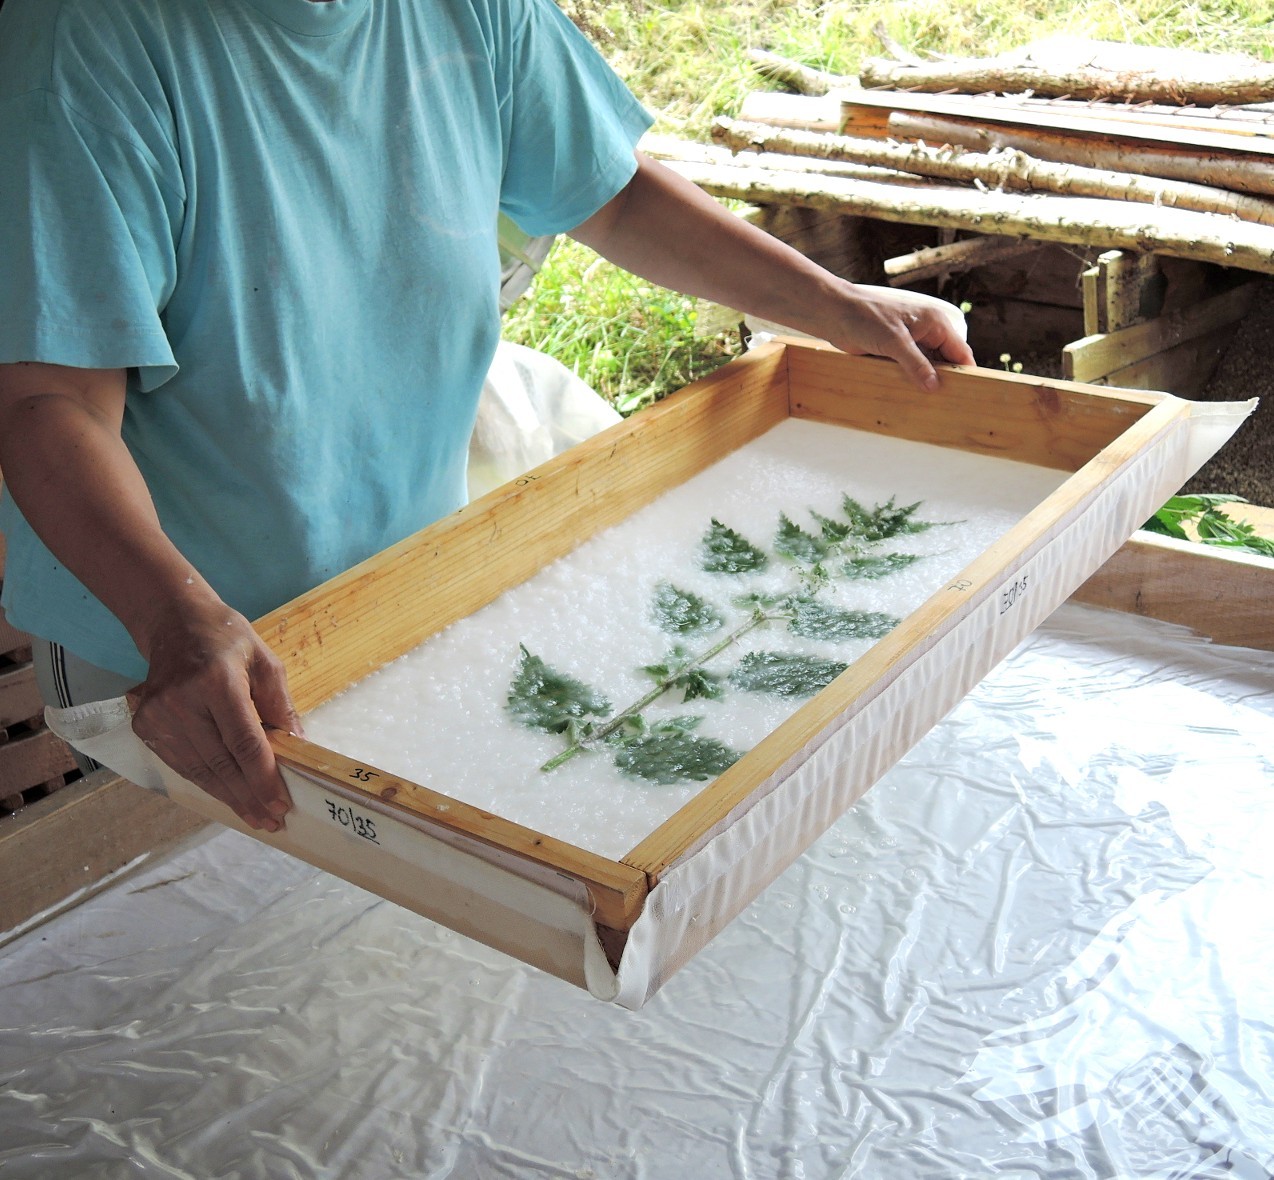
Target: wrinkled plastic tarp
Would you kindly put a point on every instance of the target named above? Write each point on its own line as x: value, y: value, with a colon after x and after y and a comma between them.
x: 1037, y: 948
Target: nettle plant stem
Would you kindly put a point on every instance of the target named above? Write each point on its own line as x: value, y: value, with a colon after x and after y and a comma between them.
x: 662, y: 687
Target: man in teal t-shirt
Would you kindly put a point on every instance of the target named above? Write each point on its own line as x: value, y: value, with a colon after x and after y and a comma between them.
x: 250, y: 295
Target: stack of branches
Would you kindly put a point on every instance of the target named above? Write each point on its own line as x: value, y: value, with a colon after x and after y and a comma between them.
x: 1085, y: 143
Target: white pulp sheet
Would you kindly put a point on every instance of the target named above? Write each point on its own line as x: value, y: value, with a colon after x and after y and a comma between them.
x: 1036, y: 948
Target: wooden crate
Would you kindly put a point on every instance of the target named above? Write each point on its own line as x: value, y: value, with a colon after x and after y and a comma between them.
x: 33, y: 762
x: 61, y: 834
x: 576, y: 913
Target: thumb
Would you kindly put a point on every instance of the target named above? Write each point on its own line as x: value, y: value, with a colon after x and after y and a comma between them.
x: 269, y: 687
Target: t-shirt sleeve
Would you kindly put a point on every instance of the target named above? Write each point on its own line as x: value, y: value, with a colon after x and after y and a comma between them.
x: 571, y: 125
x: 87, y: 233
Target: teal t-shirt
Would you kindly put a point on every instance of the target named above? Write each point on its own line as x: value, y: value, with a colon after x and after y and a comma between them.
x: 280, y: 216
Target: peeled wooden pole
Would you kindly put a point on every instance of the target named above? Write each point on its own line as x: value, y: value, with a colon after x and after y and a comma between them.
x: 934, y: 261
x: 1002, y: 168
x: 1088, y: 221
x: 667, y: 147
x: 1243, y: 174
x: 1074, y: 80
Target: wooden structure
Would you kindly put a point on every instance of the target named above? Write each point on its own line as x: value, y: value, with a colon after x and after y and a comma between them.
x: 33, y: 762
x: 1061, y: 222
x: 518, y: 888
x: 62, y: 834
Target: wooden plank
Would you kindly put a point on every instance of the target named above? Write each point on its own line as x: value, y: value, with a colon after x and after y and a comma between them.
x: 1225, y: 596
x: 985, y: 109
x: 833, y: 240
x: 618, y: 892
x: 32, y: 759
x: 1036, y: 420
x: 69, y: 841
x: 1221, y: 120
x: 688, y: 827
x: 11, y: 639
x: 1184, y: 369
x: 1094, y: 302
x: 1133, y: 288
x: 1099, y: 355
x: 348, y: 627
x: 19, y: 695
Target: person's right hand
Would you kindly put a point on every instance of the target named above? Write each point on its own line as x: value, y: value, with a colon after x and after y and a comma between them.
x: 212, y: 684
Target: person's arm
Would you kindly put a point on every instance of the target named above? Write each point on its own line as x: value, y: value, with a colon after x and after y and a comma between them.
x: 212, y: 681
x: 668, y: 230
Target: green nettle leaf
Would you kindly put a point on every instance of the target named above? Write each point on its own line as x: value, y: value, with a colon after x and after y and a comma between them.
x: 833, y: 531
x: 784, y: 674
x: 723, y: 551
x: 817, y: 620
x: 668, y: 752
x: 543, y: 698
x: 758, y: 602
x: 794, y: 542
x: 681, y: 613
x: 700, y: 683
x: 877, y: 567
x: 884, y: 521
x: 679, y: 671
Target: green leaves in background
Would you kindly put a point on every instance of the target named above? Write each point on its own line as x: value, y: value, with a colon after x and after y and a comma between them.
x: 1212, y: 526
x: 784, y: 674
x: 723, y: 551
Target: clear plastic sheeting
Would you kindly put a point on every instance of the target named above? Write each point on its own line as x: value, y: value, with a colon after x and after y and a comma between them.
x: 1036, y: 948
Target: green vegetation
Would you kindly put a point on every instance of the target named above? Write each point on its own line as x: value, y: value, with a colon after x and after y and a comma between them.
x: 1199, y: 518
x: 687, y: 61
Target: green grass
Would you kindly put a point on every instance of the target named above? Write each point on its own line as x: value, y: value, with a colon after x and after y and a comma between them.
x: 631, y: 341
x: 687, y: 61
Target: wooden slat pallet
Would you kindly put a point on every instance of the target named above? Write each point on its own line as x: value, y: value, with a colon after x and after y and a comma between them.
x: 67, y: 844
x: 33, y: 762
x: 61, y: 834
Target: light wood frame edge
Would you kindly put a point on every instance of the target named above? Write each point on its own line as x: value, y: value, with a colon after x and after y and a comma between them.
x: 617, y: 891
x: 687, y: 828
